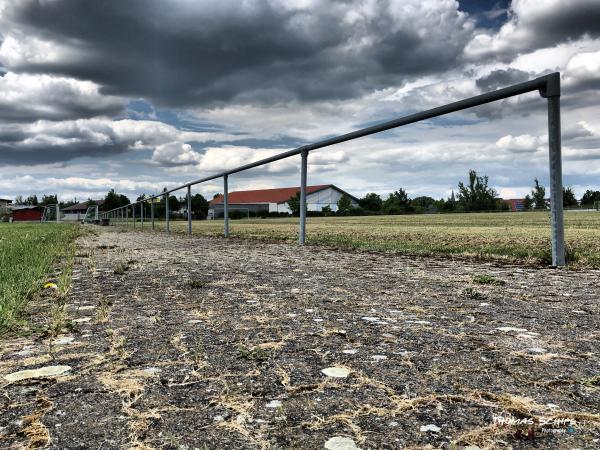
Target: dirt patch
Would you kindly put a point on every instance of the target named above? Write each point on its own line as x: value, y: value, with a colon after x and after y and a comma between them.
x: 209, y: 343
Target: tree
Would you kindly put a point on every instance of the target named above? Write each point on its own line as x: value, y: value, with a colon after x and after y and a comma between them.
x: 32, y: 200
x: 294, y: 204
x: 528, y: 202
x: 114, y: 200
x: 397, y: 203
x: 344, y: 205
x: 569, y: 199
x: 477, y: 195
x: 49, y: 200
x: 174, y: 204
x: 19, y: 200
x: 423, y: 203
x: 590, y: 197
x: 199, y: 206
x: 371, y: 202
x: 538, y: 195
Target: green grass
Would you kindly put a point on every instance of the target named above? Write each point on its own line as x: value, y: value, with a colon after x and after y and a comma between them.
x: 27, y: 255
x: 519, y: 237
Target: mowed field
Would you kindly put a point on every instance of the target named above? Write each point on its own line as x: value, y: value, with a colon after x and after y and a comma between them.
x: 27, y: 254
x: 517, y: 237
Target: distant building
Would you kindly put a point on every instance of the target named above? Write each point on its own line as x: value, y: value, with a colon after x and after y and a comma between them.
x: 77, y: 212
x: 515, y: 204
x: 5, y: 202
x: 275, y: 200
x: 26, y: 213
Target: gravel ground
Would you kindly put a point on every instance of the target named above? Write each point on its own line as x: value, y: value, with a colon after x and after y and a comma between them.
x: 209, y: 343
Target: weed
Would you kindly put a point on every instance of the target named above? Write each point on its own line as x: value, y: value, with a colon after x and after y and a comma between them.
x: 196, y: 284
x: 254, y: 353
x: 121, y: 268
x: 488, y: 279
x: 473, y: 293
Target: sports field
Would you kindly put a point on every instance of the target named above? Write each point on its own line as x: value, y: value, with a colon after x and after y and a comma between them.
x: 519, y: 237
x: 27, y: 255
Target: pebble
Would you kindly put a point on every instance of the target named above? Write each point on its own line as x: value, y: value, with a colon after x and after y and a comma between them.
x: 378, y: 357
x: 42, y: 372
x: 336, y: 372
x: 273, y: 404
x: 340, y: 443
x: 83, y: 320
x: 64, y: 340
x: 351, y: 351
x: 431, y: 427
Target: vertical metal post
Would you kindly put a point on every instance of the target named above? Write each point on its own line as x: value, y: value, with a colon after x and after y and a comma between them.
x: 167, y: 211
x: 142, y: 213
x: 126, y: 216
x: 57, y: 213
x: 552, y: 93
x: 133, y: 215
x: 189, y: 209
x: 303, y: 169
x: 152, y: 212
x: 225, y: 207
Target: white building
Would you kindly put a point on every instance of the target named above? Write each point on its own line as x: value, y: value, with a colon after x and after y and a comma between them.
x: 275, y: 200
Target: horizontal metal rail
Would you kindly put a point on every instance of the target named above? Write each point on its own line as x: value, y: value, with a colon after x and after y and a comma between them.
x: 548, y: 87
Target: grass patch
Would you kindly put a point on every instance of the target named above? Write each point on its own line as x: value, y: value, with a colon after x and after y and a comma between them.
x: 513, y: 237
x: 27, y: 255
x: 196, y: 284
x: 488, y: 279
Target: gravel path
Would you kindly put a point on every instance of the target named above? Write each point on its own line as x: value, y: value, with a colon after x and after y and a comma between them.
x: 211, y: 343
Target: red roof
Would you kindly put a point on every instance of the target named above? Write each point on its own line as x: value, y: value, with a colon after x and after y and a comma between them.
x: 280, y: 195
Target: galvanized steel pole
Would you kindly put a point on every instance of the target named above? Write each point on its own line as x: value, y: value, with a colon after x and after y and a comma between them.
x: 189, y: 209
x: 133, y: 214
x: 152, y: 212
x: 142, y: 213
x: 57, y: 213
x: 126, y: 216
x: 552, y: 93
x: 167, y: 212
x: 225, y: 207
x: 303, y: 169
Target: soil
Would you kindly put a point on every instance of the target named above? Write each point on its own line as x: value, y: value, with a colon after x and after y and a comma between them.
x: 208, y: 343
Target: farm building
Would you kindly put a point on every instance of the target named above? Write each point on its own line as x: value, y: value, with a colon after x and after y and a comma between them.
x: 26, y: 213
x: 5, y: 202
x: 515, y: 204
x: 77, y: 212
x: 275, y: 200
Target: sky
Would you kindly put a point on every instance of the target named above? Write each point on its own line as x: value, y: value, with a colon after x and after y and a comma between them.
x: 139, y: 95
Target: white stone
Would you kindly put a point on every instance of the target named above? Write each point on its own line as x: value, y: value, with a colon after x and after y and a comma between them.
x: 507, y: 329
x: 42, y: 372
x: 419, y: 322
x: 431, y: 427
x: 340, y: 443
x: 484, y: 304
x: 370, y: 319
x: 83, y: 320
x: 350, y: 351
x: 336, y: 372
x: 378, y: 357
x: 273, y: 404
x: 64, y: 340
x: 85, y: 308
x: 537, y: 350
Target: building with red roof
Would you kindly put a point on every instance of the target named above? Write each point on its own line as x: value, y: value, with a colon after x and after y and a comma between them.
x: 275, y: 200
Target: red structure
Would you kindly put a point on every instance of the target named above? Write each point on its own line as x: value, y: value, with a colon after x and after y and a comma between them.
x: 26, y: 213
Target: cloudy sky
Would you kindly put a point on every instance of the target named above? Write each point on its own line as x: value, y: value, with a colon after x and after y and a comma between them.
x: 141, y: 94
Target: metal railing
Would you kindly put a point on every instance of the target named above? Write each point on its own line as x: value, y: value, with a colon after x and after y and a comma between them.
x: 548, y: 87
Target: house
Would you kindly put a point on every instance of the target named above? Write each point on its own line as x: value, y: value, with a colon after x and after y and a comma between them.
x: 77, y: 212
x: 26, y: 213
x: 275, y: 200
x: 5, y: 202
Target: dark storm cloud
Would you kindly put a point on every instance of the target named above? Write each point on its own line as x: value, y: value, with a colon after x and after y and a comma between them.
x: 11, y: 154
x: 180, y: 53
x: 501, y: 78
x: 536, y: 25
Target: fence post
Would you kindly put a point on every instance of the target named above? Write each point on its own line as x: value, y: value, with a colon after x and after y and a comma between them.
x: 127, y: 216
x: 167, y: 212
x: 57, y: 213
x: 552, y: 94
x: 303, y: 169
x: 133, y: 215
x: 189, y: 209
x: 225, y: 207
x: 142, y: 213
x: 152, y: 212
